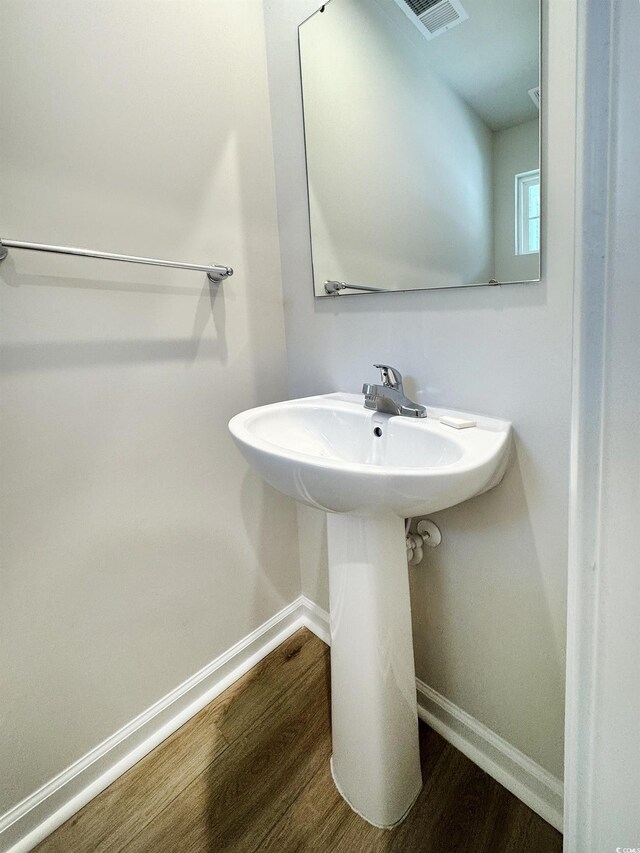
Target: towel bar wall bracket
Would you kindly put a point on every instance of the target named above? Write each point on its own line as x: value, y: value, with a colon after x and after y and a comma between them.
x: 215, y: 272
x: 333, y: 288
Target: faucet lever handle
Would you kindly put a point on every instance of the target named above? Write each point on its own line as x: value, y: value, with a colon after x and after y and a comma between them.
x: 391, y: 376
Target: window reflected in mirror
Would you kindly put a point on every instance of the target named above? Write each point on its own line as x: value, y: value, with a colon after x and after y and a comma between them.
x: 528, y: 212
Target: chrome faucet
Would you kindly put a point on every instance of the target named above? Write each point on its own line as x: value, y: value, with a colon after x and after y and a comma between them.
x: 390, y: 397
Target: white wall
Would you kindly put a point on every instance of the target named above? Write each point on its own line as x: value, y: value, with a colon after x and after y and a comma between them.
x: 603, y: 749
x: 400, y: 185
x: 489, y: 604
x: 136, y: 544
x: 616, y: 757
x: 515, y: 150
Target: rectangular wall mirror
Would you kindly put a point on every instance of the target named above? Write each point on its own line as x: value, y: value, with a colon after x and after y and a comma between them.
x: 422, y: 136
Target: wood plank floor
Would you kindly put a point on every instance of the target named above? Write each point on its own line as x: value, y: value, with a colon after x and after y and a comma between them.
x: 251, y: 772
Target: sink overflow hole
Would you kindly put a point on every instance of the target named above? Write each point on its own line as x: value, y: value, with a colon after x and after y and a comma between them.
x: 377, y: 431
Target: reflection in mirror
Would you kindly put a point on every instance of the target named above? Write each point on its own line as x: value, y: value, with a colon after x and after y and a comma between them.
x: 422, y: 141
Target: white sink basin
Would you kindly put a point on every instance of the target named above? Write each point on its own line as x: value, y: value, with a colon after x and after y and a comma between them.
x: 369, y: 471
x: 332, y: 453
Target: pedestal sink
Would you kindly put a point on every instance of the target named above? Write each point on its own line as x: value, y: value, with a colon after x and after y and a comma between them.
x: 369, y: 471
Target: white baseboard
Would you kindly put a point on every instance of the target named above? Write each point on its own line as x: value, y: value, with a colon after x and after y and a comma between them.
x: 38, y: 815
x: 528, y: 781
x: 315, y: 619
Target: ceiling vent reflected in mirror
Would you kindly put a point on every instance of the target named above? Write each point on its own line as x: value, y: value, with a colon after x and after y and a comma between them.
x: 434, y: 17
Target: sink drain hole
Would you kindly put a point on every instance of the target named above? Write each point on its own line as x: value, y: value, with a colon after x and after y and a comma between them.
x: 377, y: 431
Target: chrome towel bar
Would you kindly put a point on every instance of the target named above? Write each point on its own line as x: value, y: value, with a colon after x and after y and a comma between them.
x: 215, y: 272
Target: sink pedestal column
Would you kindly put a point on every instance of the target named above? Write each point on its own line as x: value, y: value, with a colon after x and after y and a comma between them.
x: 374, y: 720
